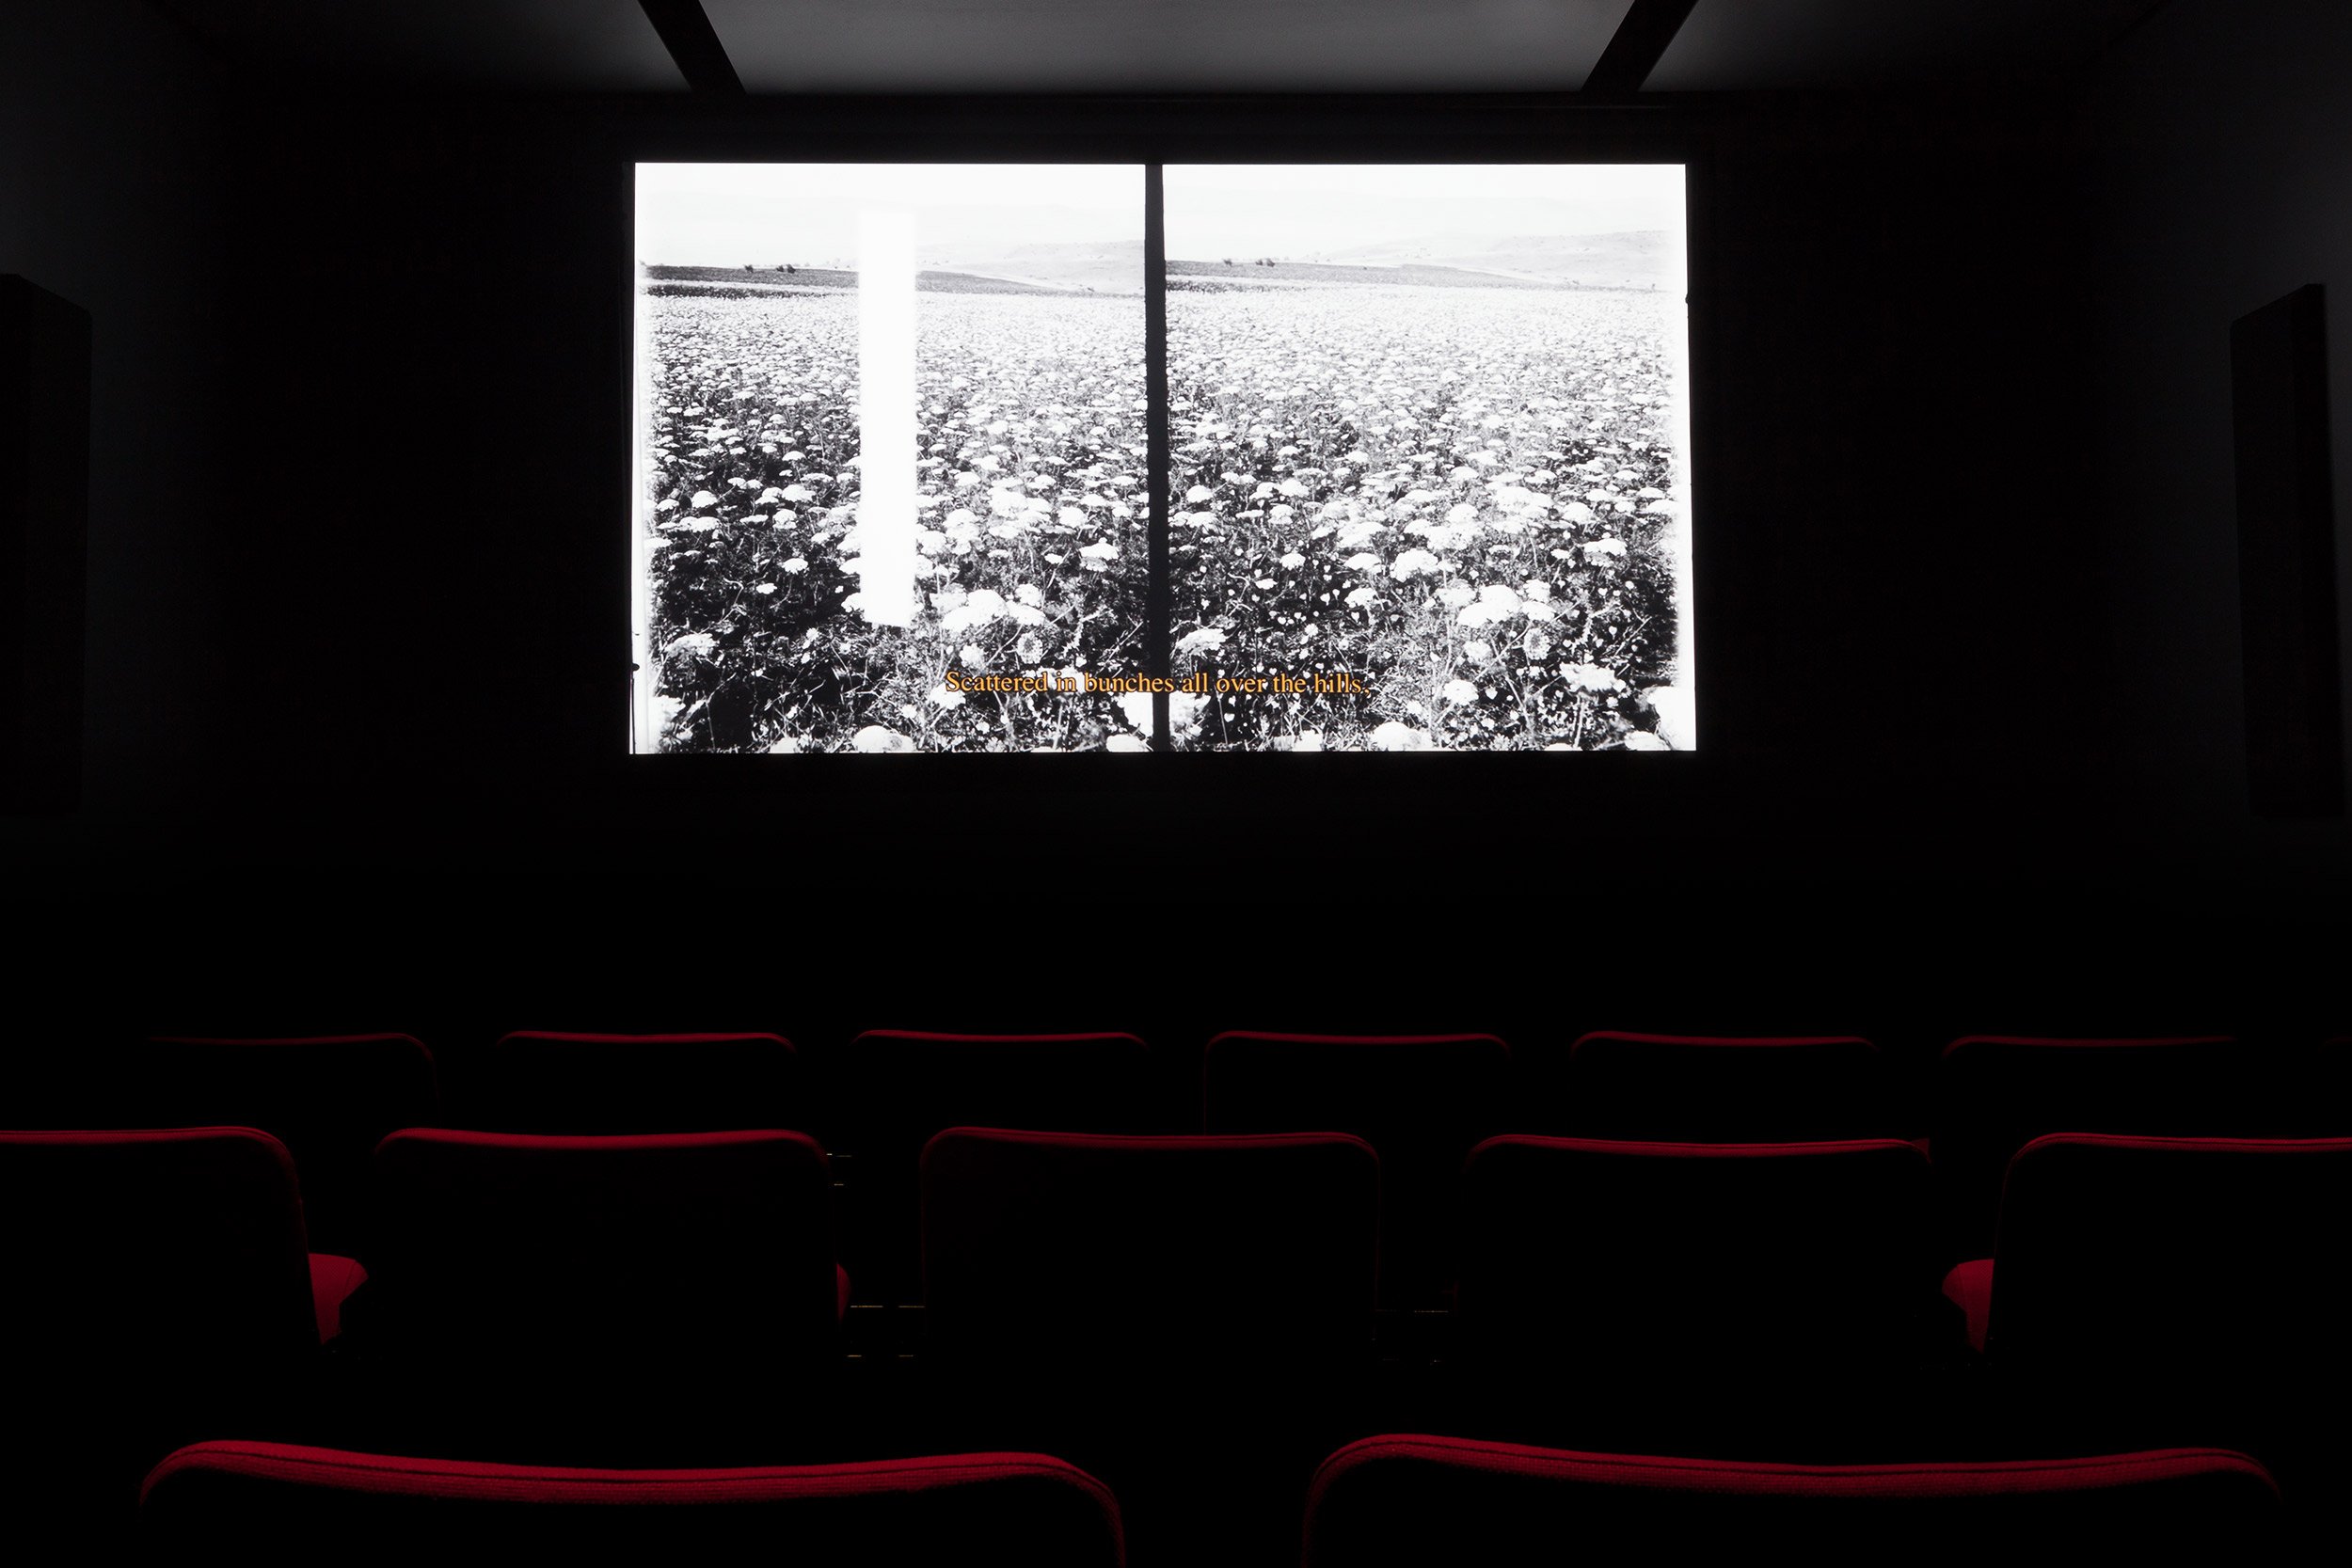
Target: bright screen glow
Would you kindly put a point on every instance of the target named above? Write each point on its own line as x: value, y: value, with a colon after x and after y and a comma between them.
x: 1427, y: 439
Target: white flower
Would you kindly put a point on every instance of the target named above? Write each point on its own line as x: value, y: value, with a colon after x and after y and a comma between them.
x: 1194, y: 641
x: 693, y: 642
x: 765, y: 588
x: 1198, y: 494
x: 874, y: 737
x: 1477, y: 651
x: 1604, y: 549
x: 973, y: 655
x: 1293, y: 561
x: 1458, y: 691
x: 702, y: 499
x: 1495, y: 604
x: 1537, y: 588
x: 1589, y: 677
x: 1413, y: 563
x: 796, y: 566
x: 1395, y: 736
x: 1359, y: 598
x: 1099, y: 552
x: 983, y: 605
x: 797, y: 494
x: 1576, y: 512
x: 1363, y: 561
x: 946, y: 696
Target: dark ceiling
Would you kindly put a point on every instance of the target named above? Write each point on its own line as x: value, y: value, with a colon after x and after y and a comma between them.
x: 779, y: 46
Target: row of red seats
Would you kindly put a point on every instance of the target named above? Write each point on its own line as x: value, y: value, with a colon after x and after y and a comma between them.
x: 517, y: 1258
x: 1422, y: 1101
x: 1390, y: 1502
x: 2178, y: 1289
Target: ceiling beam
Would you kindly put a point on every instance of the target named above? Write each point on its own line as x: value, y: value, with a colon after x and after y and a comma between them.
x: 694, y: 43
x: 1640, y: 41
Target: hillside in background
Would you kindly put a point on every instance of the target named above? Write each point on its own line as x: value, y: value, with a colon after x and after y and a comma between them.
x: 1107, y: 268
x: 1641, y: 259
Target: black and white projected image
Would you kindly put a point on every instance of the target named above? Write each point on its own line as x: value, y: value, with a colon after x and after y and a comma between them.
x: 1430, y: 432
x: 890, y: 429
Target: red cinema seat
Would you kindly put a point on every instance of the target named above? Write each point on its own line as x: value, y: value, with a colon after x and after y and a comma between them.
x: 898, y: 1088
x: 593, y: 1279
x: 159, y: 1286
x: 1996, y: 1093
x: 2147, y: 1287
x: 1185, y: 1316
x: 1691, y: 1088
x: 1699, y: 1284
x: 1411, y: 1501
x: 330, y: 1099
x: 1422, y: 1100
x: 280, y: 1502
x: 1175, y: 1252
x: 535, y: 1081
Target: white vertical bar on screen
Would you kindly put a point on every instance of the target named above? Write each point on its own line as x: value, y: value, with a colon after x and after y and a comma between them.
x: 886, y: 373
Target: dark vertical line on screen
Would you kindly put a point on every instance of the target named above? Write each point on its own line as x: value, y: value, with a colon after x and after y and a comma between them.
x: 1158, y: 607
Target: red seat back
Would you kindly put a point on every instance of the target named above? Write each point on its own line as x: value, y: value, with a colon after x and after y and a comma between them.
x: 1408, y: 1501
x: 2200, y: 1280
x: 1055, y: 1249
x: 1678, y: 1264
x: 280, y: 1502
x: 537, y: 1080
x: 181, y: 1248
x: 157, y: 1289
x: 615, y: 1258
x: 1688, y: 1088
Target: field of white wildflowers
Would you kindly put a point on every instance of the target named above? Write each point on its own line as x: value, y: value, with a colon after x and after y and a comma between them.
x: 1033, y: 522
x: 1457, y: 494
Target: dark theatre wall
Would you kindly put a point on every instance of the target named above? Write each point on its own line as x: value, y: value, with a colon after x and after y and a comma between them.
x: 1966, y: 632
